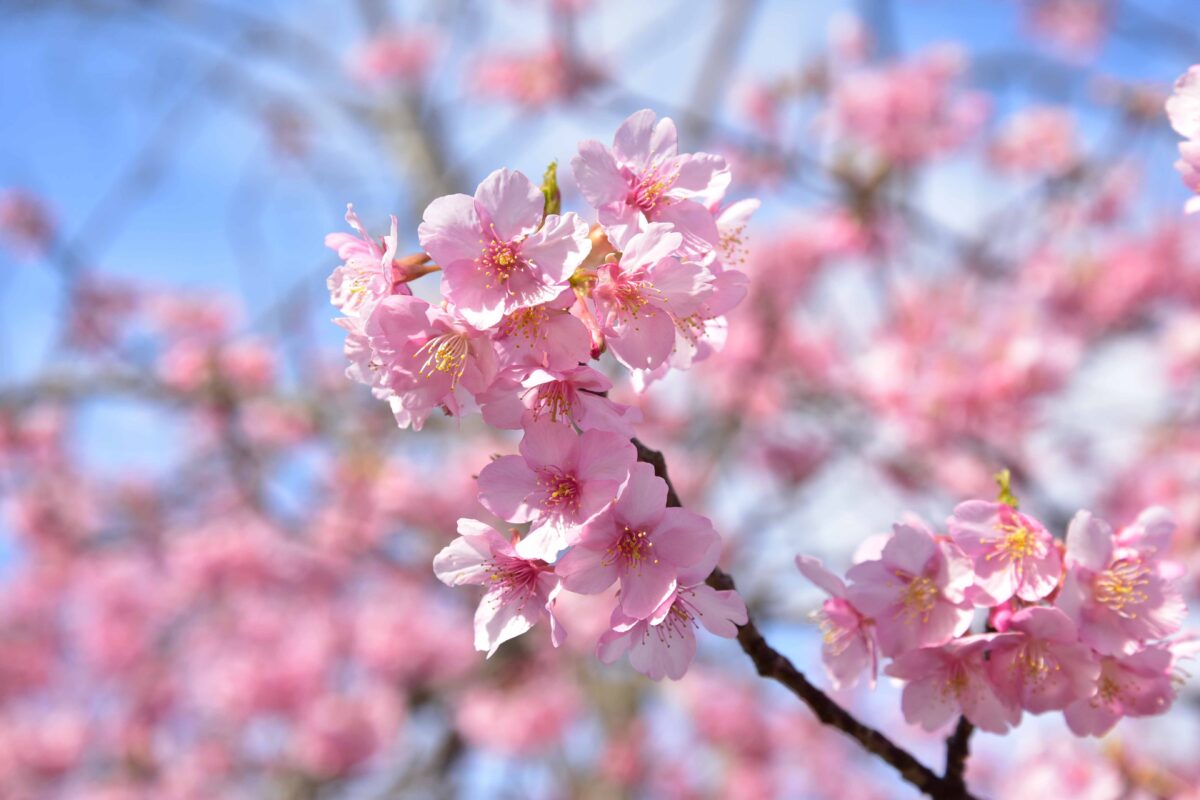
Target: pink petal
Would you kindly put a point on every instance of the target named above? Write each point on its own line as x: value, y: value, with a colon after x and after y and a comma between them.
x: 597, y: 176
x: 497, y: 621
x: 558, y: 247
x: 511, y: 203
x: 548, y: 444
x: 643, y: 499
x: 1089, y: 542
x: 504, y: 486
x: 645, y: 588
x: 719, y: 612
x: 450, y: 230
x: 641, y: 141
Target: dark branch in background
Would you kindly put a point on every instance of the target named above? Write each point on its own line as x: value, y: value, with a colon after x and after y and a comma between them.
x: 772, y: 664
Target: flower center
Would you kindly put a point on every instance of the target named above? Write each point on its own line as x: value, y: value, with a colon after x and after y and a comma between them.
x: 1120, y: 588
x: 447, y: 354
x: 515, y: 575
x: 524, y: 322
x: 918, y: 599
x: 633, y: 549
x: 555, y: 398
x: 1017, y: 543
x: 1034, y: 662
x: 561, y: 490
x: 498, y: 261
x: 648, y: 193
x: 955, y: 683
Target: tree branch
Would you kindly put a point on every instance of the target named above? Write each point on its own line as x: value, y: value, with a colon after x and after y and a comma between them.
x: 957, y: 749
x: 772, y: 664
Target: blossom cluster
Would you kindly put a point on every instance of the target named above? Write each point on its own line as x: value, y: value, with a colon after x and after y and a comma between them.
x: 1183, y: 110
x: 1079, y: 626
x: 529, y: 297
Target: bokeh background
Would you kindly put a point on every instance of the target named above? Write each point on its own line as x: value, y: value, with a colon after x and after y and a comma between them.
x: 214, y: 550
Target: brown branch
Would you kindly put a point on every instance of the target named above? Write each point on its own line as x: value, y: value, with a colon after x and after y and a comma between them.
x: 957, y: 749
x: 772, y: 664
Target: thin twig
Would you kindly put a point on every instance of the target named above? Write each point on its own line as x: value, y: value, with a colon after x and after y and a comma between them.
x: 772, y: 664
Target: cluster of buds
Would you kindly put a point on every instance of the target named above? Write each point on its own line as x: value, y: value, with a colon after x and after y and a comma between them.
x: 531, y: 296
x: 1079, y: 627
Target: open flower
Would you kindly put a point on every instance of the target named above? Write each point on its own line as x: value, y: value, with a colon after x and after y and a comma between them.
x: 946, y: 681
x: 1139, y: 685
x: 567, y: 397
x: 366, y: 274
x: 664, y: 644
x: 1044, y: 667
x: 639, y: 542
x: 429, y: 357
x: 1117, y: 595
x: 546, y: 336
x: 915, y: 591
x: 559, y: 482
x: 848, y: 647
x: 520, y: 591
x: 496, y: 252
x: 639, y: 297
x: 643, y: 178
x: 1013, y: 554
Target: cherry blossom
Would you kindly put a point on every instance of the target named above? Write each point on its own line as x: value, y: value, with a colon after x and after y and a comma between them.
x: 952, y: 679
x: 498, y: 250
x: 1116, y: 593
x: 520, y: 591
x: 559, y: 482
x: 848, y: 639
x: 643, y: 178
x: 1013, y: 554
x: 639, y: 542
x: 1045, y: 668
x: 915, y: 592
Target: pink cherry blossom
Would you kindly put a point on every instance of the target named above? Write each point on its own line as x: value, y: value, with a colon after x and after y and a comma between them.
x: 915, y: 592
x: 643, y: 178
x: 560, y: 481
x: 338, y: 732
x: 639, y: 542
x: 427, y: 358
x: 520, y: 591
x: 952, y: 679
x: 546, y: 336
x: 496, y: 251
x: 1012, y: 553
x: 1037, y: 140
x: 394, y: 56
x: 908, y: 112
x: 534, y: 80
x: 534, y: 713
x: 367, y: 274
x: 640, y: 296
x: 666, y: 648
x: 1116, y: 593
x: 848, y: 638
x: 1045, y: 667
x: 570, y: 397
x: 1137, y: 685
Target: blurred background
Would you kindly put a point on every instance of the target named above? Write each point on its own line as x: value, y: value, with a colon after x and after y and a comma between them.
x: 214, y: 549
